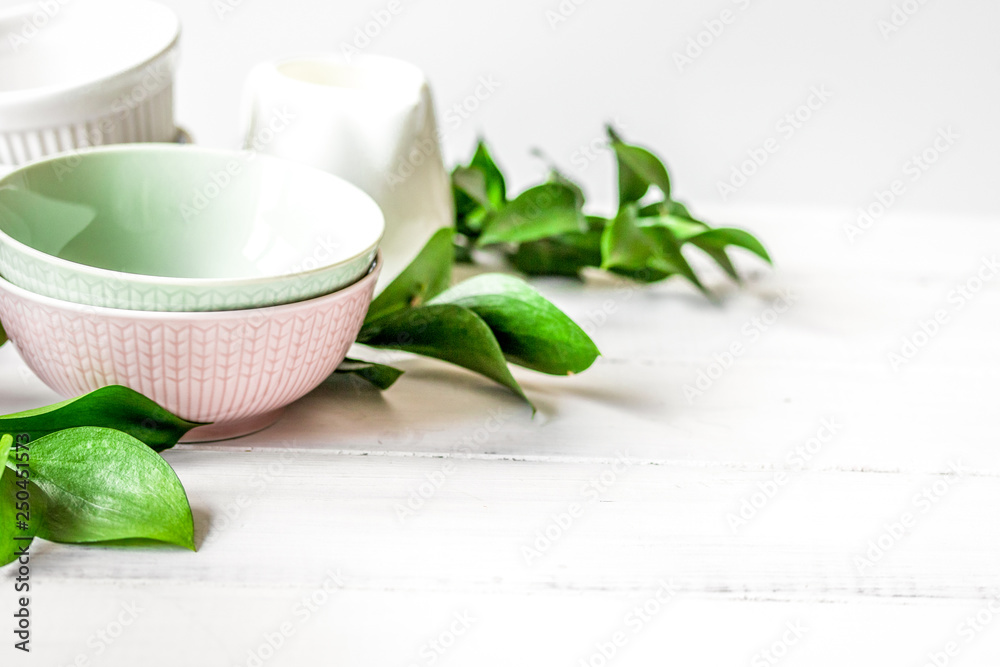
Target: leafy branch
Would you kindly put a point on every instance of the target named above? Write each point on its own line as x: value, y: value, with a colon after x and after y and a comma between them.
x: 545, y: 230
x: 87, y: 471
x: 481, y: 324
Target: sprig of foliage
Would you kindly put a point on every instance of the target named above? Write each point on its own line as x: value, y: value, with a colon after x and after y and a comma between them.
x: 545, y: 230
x: 87, y: 471
x: 481, y: 324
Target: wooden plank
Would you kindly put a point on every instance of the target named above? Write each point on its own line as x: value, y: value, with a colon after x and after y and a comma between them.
x: 424, y: 523
x: 209, y: 624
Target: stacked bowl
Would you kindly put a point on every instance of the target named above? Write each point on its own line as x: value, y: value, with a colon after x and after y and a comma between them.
x: 223, y: 285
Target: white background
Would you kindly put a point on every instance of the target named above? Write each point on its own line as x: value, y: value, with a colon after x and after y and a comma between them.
x: 560, y: 83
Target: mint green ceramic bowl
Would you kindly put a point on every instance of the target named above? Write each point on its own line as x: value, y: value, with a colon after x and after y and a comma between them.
x: 182, y: 229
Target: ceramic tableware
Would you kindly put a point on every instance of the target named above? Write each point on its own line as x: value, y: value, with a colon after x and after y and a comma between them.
x: 179, y: 228
x: 370, y: 121
x: 237, y: 369
x: 84, y: 73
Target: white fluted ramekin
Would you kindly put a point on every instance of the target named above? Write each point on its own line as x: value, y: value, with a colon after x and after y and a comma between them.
x: 77, y: 74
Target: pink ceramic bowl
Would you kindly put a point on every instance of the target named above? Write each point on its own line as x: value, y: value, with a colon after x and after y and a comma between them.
x: 237, y: 369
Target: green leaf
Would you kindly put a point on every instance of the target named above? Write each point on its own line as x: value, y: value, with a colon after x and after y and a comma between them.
x: 646, y: 254
x: 102, y: 485
x: 20, y: 501
x: 443, y: 331
x: 113, y: 407
x: 644, y: 275
x: 13, y: 538
x: 380, y: 375
x: 597, y: 223
x: 531, y: 331
x: 427, y: 276
x: 682, y: 228
x: 723, y: 237
x: 472, y: 203
x: 3, y: 335
x: 543, y: 211
x: 721, y: 258
x: 624, y: 246
x: 687, y: 230
x: 638, y: 169
x: 496, y: 185
x: 6, y: 444
x: 479, y: 191
x: 564, y: 255
x: 669, y: 208
x: 472, y: 183
x: 669, y: 251
x: 712, y: 242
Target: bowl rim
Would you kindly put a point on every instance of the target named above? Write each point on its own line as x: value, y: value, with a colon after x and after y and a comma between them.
x: 364, y: 283
x: 163, y: 282
x: 44, y: 94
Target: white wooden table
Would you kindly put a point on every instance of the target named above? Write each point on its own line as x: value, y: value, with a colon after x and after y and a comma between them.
x: 304, y: 544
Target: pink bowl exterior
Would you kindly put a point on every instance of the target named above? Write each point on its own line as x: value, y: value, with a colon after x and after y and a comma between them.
x: 216, y: 367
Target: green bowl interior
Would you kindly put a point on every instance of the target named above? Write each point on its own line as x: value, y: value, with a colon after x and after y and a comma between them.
x: 179, y: 212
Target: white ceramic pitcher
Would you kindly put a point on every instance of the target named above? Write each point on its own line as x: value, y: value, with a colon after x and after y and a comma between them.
x: 370, y: 121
